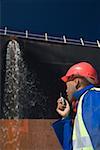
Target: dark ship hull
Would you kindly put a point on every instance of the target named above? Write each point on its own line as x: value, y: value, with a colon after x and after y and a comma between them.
x: 30, y: 85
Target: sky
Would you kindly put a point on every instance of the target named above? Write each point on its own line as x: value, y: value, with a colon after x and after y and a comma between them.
x: 73, y: 18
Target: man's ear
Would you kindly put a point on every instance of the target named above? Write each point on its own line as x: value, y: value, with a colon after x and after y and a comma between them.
x: 77, y: 83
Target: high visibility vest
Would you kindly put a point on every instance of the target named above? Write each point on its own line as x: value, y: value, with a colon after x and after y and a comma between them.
x: 81, y: 138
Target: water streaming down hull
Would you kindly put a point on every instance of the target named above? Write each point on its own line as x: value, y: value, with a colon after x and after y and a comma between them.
x: 23, y: 97
x: 12, y: 81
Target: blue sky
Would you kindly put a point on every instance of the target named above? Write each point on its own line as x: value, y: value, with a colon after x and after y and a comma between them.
x: 73, y: 18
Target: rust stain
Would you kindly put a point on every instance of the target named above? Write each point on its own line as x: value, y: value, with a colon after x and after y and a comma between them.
x: 28, y: 134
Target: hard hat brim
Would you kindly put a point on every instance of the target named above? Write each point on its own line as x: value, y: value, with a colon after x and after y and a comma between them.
x: 64, y: 78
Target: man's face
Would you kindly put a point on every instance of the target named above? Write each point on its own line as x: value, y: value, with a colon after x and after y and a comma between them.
x: 71, y: 89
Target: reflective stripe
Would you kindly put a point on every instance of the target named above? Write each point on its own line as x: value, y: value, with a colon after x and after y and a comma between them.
x: 81, y: 139
x: 96, y: 89
x: 74, y: 132
x: 82, y: 128
x: 76, y: 127
x: 85, y: 148
x: 81, y: 142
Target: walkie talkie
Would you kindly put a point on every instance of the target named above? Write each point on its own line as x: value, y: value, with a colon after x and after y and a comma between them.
x: 63, y: 99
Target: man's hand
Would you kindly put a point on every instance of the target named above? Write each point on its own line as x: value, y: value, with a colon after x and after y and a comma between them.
x: 62, y: 109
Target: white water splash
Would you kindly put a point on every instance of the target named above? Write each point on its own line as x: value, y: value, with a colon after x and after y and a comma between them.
x: 12, y: 79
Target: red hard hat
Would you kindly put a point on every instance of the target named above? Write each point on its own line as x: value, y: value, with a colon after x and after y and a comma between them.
x: 83, y: 69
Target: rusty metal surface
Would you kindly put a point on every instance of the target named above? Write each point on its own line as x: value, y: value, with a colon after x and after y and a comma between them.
x: 34, y: 134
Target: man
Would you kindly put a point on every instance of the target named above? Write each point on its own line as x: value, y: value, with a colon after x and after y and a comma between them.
x: 81, y: 80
